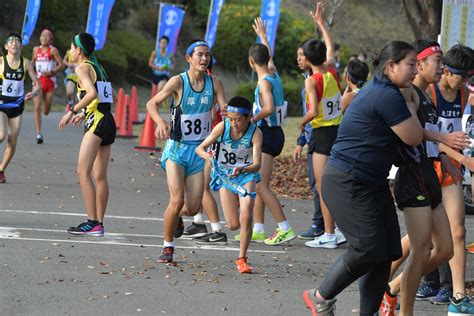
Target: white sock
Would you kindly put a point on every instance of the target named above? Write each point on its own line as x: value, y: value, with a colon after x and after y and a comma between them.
x: 216, y: 227
x: 198, y: 218
x: 168, y: 243
x: 259, y: 228
x: 330, y: 235
x: 284, y: 226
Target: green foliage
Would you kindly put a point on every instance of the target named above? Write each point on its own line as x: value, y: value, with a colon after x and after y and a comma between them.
x: 125, y: 55
x: 63, y: 15
x: 291, y: 87
x: 145, y: 19
x: 235, y: 31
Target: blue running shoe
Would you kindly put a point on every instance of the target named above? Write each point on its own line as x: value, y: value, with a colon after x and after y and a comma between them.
x: 87, y: 229
x: 425, y: 292
x: 311, y: 233
x: 461, y: 307
x: 442, y: 298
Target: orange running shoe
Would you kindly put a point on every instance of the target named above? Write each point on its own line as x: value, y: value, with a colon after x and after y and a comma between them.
x: 470, y: 247
x: 243, y: 266
x: 388, y: 305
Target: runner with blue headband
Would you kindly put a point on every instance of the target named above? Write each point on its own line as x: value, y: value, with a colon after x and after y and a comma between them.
x: 194, y: 95
x: 13, y: 70
x: 235, y: 175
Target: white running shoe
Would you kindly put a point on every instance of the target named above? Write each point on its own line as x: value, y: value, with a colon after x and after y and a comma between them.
x: 339, y: 236
x: 323, y: 241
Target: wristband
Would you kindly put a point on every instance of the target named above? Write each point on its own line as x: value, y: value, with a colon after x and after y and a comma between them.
x: 71, y: 109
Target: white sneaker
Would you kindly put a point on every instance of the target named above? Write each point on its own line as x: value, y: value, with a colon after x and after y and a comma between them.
x: 323, y: 241
x: 339, y: 236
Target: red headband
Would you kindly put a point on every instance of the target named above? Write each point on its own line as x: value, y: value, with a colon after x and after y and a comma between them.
x: 428, y: 51
x: 48, y: 31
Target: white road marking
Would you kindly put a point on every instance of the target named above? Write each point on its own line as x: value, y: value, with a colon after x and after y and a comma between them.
x: 106, y: 216
x: 11, y: 233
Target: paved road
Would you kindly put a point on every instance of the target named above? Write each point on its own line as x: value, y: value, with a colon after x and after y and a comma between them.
x: 44, y: 271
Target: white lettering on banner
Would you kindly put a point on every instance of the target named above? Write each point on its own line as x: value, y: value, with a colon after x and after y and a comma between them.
x: 12, y: 88
x: 171, y: 17
x: 271, y: 9
x: 99, y: 14
x: 235, y: 157
x: 195, y: 126
x: 167, y: 32
x: 104, y: 92
x: 331, y: 107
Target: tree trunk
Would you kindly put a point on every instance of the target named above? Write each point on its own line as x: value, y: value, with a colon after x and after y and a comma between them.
x: 424, y: 17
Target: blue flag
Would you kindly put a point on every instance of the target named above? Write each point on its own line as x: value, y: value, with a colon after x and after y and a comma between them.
x: 213, y: 20
x: 170, y: 19
x: 270, y: 13
x: 29, y: 23
x: 98, y: 20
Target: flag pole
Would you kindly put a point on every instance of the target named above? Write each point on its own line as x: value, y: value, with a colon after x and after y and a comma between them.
x: 209, y: 16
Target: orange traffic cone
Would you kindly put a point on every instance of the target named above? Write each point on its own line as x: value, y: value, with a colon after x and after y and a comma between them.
x: 125, y: 130
x: 147, y: 141
x: 119, y: 108
x: 153, y: 90
x: 134, y: 107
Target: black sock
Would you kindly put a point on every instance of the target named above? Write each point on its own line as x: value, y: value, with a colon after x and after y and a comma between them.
x: 92, y: 223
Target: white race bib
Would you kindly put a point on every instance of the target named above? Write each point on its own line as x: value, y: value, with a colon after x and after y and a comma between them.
x: 331, y: 107
x: 196, y: 126
x: 432, y: 150
x: 104, y: 92
x: 449, y: 125
x: 281, y: 112
x: 13, y: 88
x: 43, y: 66
x: 234, y: 157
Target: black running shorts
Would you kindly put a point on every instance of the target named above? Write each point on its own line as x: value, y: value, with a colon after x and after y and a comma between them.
x: 322, y: 139
x: 273, y: 140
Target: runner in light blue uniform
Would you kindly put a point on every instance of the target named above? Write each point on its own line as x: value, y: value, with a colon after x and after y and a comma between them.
x: 191, y: 122
x: 193, y: 95
x: 234, y: 153
x: 278, y: 116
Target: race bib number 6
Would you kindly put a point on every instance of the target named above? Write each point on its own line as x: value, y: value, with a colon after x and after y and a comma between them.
x: 104, y: 91
x: 12, y: 88
x: 196, y: 126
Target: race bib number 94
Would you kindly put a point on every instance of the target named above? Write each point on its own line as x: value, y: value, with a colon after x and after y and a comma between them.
x: 196, y: 126
x: 331, y: 107
x: 104, y: 91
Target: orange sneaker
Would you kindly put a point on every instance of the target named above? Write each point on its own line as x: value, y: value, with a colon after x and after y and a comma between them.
x: 470, y: 247
x: 243, y: 266
x: 388, y: 305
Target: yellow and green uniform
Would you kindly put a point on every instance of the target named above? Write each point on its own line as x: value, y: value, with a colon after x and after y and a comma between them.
x: 99, y: 120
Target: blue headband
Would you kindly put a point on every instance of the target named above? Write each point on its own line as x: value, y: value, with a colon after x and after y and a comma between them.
x: 235, y: 109
x: 462, y: 73
x: 191, y: 47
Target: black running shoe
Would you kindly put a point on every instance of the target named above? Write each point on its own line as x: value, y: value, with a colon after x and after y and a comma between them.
x: 166, y: 255
x: 212, y: 239
x: 195, y: 230
x: 180, y: 229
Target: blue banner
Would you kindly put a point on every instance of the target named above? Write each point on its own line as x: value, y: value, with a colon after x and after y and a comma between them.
x: 270, y: 13
x: 29, y: 22
x: 98, y: 20
x: 213, y: 20
x: 170, y: 19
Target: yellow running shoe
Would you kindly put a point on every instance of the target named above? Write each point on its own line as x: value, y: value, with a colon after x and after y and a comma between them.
x: 256, y: 237
x: 470, y: 247
x: 280, y: 236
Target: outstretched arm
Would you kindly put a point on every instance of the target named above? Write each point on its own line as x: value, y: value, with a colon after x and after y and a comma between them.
x: 318, y: 18
x: 260, y: 28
